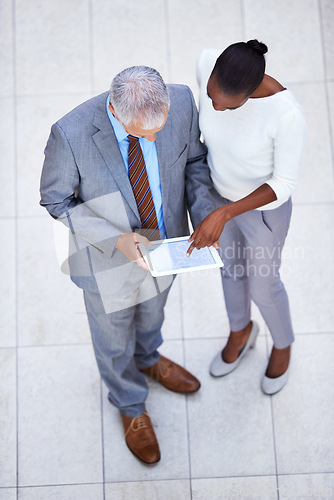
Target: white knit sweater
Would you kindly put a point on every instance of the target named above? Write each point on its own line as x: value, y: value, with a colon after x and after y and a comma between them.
x: 260, y: 142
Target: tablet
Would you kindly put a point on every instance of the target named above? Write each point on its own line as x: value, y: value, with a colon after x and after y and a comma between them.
x: 168, y: 256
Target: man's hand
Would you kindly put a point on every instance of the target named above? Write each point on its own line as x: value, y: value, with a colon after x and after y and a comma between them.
x: 127, y: 243
x: 208, y: 231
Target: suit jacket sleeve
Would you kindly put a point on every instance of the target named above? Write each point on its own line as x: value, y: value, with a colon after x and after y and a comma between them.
x: 60, y: 195
x: 199, y: 186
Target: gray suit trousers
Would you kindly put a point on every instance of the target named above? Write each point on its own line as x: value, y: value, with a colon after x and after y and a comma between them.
x: 126, y: 341
x: 251, y: 247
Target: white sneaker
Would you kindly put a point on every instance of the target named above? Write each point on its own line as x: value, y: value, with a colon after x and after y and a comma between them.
x: 219, y: 367
x: 273, y: 385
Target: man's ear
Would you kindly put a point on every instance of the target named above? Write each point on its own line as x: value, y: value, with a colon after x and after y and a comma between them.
x: 111, y: 109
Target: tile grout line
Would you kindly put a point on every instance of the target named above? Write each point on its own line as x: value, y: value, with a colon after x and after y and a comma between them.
x: 102, y: 436
x: 311, y: 203
x: 91, y: 46
x: 48, y: 95
x: 193, y: 339
x: 10, y: 217
x: 322, y: 39
x: 267, y: 337
x: 274, y: 441
x: 60, y: 485
x: 92, y: 89
x: 330, y: 127
x: 187, y: 412
x: 46, y: 217
x: 168, y: 41
x: 273, y: 428
x: 15, y: 131
x: 243, y: 19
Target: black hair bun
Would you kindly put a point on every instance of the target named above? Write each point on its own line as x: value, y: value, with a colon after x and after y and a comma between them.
x: 259, y: 47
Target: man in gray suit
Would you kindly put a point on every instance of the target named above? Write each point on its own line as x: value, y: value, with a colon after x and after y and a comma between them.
x: 89, y: 184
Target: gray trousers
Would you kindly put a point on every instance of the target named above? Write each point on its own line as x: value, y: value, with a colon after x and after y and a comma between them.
x: 126, y: 341
x: 251, y: 247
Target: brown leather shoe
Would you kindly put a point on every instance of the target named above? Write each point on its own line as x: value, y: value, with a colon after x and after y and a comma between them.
x: 141, y: 439
x: 173, y: 376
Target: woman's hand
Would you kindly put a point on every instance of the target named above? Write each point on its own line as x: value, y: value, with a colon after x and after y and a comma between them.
x: 209, y: 230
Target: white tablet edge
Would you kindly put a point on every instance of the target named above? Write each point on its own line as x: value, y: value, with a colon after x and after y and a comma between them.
x: 143, y: 250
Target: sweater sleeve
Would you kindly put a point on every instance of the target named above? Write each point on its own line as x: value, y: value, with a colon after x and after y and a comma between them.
x: 289, y: 139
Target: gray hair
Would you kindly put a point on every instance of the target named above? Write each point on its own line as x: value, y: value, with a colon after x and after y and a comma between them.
x: 140, y: 96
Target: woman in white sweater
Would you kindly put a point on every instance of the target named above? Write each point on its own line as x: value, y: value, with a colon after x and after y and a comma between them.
x: 254, y: 153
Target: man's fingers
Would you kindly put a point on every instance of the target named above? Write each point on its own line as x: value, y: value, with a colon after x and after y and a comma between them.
x: 142, y: 239
x: 141, y: 263
x: 216, y: 244
x: 127, y: 243
x: 140, y: 259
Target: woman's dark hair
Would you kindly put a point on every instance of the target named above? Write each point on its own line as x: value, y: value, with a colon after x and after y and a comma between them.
x: 240, y: 68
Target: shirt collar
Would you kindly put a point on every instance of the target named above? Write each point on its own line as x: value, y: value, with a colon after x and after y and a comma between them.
x: 120, y: 133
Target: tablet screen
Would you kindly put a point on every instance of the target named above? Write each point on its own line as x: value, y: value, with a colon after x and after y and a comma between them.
x: 172, y: 255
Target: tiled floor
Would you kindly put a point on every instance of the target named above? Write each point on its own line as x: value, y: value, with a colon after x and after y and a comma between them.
x: 60, y: 439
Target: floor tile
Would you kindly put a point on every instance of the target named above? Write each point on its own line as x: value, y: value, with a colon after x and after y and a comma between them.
x: 8, y: 494
x: 72, y: 492
x: 254, y: 488
x: 154, y: 490
x: 59, y: 416
x: 291, y: 30
x: 6, y: 48
x: 229, y: 418
x: 327, y: 14
x: 120, y: 28
x: 8, y: 283
x: 52, y: 49
x: 307, y: 264
x: 7, y: 418
x: 65, y: 52
x: 51, y: 307
x: 195, y: 26
x: 316, y: 174
x: 203, y: 306
x: 7, y: 147
x: 204, y: 313
x: 330, y: 90
x: 303, y: 410
x: 306, y: 486
x: 172, y: 327
x: 35, y: 118
x: 168, y: 412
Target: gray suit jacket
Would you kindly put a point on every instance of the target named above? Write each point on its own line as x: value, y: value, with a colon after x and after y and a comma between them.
x: 85, y: 185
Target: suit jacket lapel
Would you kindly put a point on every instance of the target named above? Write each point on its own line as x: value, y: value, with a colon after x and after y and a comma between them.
x: 106, y: 142
x: 164, y: 148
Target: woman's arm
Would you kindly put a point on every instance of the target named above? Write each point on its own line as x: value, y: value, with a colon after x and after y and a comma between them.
x: 209, y: 230
x: 289, y: 141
